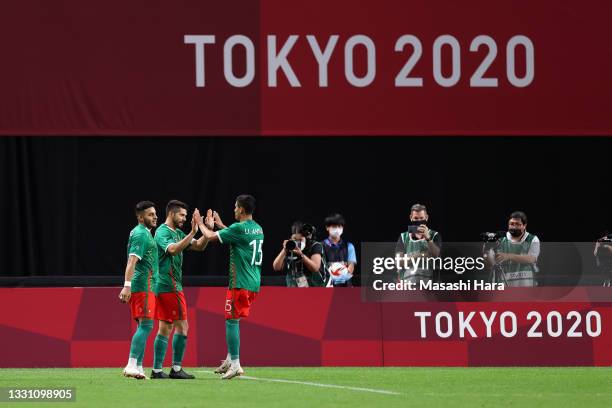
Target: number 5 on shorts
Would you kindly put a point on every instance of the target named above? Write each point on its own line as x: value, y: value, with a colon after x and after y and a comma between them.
x: 228, y: 305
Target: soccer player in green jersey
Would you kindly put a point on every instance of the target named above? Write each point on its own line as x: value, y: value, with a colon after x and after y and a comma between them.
x: 137, y: 289
x: 171, y: 307
x: 245, y: 239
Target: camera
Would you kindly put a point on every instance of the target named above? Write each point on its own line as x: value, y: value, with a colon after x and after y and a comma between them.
x: 291, y: 245
x: 492, y: 236
x: 412, y: 229
x: 604, y: 257
x: 606, y: 240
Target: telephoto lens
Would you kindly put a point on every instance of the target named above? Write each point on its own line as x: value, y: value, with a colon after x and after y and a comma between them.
x: 290, y: 245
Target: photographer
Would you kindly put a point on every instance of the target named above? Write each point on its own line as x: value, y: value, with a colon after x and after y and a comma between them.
x: 603, y: 258
x: 301, y: 258
x: 418, y: 241
x: 340, y: 257
x: 518, y: 252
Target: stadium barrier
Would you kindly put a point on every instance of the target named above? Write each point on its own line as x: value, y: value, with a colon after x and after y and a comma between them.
x: 89, y: 327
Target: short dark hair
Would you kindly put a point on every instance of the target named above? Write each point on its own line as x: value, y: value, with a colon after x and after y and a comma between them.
x: 519, y: 215
x: 296, y: 227
x: 174, y: 205
x: 247, y: 202
x: 418, y: 208
x: 334, y: 219
x: 307, y: 230
x: 143, y: 205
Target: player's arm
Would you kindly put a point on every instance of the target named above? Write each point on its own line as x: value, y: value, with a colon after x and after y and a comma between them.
x: 178, y: 247
x: 173, y: 248
x: 201, y: 243
x: 126, y: 292
x: 208, y: 234
x: 206, y: 227
x: 198, y: 245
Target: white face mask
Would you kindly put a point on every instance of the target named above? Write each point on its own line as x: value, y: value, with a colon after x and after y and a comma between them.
x: 302, y: 244
x: 336, y: 232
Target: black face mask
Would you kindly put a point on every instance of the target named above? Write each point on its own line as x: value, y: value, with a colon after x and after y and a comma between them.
x: 418, y: 223
x: 515, y: 232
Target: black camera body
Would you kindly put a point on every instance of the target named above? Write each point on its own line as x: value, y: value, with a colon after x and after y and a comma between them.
x: 607, y: 240
x: 492, y: 236
x: 291, y: 245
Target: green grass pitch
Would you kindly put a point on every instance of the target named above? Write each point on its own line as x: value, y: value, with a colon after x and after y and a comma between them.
x: 328, y: 386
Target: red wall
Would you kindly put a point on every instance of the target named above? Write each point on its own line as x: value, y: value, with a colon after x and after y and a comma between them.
x: 123, y: 68
x: 88, y: 327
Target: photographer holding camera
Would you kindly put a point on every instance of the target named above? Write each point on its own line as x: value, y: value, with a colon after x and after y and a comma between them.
x: 301, y: 258
x: 517, y: 252
x: 418, y: 241
x: 603, y: 258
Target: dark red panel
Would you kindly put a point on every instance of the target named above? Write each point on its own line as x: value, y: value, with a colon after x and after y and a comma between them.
x: 357, y: 353
x: 25, y: 349
x: 334, y: 327
x: 113, y: 325
x: 47, y: 311
x: 425, y: 353
x: 123, y: 68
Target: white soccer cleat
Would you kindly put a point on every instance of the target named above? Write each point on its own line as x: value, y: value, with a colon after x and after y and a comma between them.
x: 225, y: 365
x: 233, y: 371
x: 133, y: 373
x: 141, y: 371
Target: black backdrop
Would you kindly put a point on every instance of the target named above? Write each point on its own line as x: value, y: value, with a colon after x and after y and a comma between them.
x: 67, y: 202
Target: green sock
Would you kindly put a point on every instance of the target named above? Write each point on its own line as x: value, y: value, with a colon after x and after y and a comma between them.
x: 141, y: 356
x: 160, y: 346
x: 232, y: 336
x: 139, y: 339
x: 179, y: 341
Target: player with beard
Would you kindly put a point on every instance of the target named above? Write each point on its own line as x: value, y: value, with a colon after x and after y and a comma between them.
x: 137, y: 289
x: 171, y: 307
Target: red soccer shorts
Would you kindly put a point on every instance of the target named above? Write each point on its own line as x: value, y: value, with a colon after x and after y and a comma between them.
x: 170, y: 306
x: 238, y: 303
x: 142, y: 305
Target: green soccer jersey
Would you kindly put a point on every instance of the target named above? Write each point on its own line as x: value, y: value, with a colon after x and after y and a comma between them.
x: 246, y: 242
x: 142, y: 245
x: 170, y: 275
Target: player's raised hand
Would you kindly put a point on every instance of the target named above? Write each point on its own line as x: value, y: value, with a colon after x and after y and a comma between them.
x: 194, y: 225
x: 196, y: 219
x: 217, y: 219
x: 125, y: 294
x: 210, y: 224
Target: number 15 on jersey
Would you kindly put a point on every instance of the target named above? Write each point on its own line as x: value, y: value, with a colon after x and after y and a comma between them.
x: 257, y: 252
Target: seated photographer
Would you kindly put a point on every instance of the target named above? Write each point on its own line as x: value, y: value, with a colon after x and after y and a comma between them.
x: 603, y: 258
x: 339, y: 255
x: 418, y: 241
x: 518, y: 252
x: 301, y: 258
